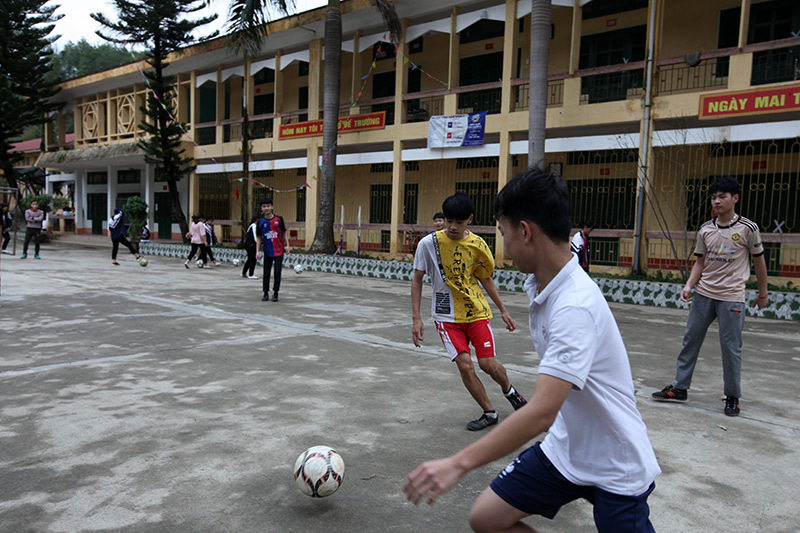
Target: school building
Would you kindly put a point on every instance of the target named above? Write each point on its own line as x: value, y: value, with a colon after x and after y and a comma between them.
x: 637, y: 136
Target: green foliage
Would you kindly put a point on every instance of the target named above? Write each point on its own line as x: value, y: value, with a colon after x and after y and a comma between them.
x: 82, y: 58
x: 136, y: 210
x: 45, y: 201
x: 60, y: 202
x: 25, y: 51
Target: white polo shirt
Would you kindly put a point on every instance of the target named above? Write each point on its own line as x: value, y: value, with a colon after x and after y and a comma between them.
x: 598, y: 437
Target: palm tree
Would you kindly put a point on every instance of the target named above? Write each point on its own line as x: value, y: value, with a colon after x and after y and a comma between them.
x: 540, y: 51
x: 247, y: 21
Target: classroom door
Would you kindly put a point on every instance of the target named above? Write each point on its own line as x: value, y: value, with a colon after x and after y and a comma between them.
x: 163, y: 215
x: 96, y: 211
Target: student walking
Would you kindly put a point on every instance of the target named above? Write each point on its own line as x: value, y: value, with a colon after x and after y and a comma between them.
x: 596, y: 447
x: 251, y: 245
x: 580, y: 244
x: 116, y: 227
x: 458, y: 263
x: 211, y: 239
x: 33, y: 221
x: 723, y: 250
x: 6, y: 223
x: 197, y: 234
x: 272, y: 233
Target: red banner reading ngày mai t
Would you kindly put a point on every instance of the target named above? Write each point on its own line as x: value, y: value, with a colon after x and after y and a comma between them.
x: 750, y: 102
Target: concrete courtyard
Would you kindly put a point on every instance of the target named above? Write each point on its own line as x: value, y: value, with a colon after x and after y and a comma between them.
x: 161, y: 399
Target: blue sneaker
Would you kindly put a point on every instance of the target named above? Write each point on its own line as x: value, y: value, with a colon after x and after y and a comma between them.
x: 36, y: 256
x: 23, y: 256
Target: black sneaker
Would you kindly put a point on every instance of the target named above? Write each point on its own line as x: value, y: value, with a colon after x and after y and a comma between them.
x: 731, y: 406
x: 483, y: 422
x: 274, y: 296
x: 265, y: 298
x: 670, y: 394
x: 515, y: 398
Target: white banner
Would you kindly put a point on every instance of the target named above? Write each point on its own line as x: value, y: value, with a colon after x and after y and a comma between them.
x: 447, y: 131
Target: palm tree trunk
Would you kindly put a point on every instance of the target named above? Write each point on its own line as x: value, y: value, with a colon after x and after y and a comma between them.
x: 540, y: 51
x: 323, y: 239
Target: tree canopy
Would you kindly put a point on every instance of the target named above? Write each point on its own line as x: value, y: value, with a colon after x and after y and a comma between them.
x: 82, y: 58
x: 25, y: 52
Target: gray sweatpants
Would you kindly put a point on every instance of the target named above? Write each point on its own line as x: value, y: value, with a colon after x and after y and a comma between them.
x: 730, y: 317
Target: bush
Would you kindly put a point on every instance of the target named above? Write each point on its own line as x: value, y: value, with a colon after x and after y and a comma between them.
x: 45, y: 201
x: 136, y: 210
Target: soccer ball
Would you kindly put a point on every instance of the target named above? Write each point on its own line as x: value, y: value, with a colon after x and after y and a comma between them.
x: 298, y: 269
x: 236, y: 262
x: 199, y: 263
x: 143, y: 261
x: 319, y: 471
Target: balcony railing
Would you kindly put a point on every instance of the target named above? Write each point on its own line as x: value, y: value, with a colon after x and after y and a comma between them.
x: 775, y: 66
x: 421, y: 108
x: 521, y: 93
x: 205, y: 133
x: 481, y: 97
x: 611, y: 83
x: 675, y: 78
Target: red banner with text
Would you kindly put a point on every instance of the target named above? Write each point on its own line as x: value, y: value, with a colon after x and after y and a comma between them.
x: 750, y: 102
x: 348, y: 124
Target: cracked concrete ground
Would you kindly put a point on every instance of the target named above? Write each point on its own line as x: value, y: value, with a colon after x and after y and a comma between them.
x: 161, y: 399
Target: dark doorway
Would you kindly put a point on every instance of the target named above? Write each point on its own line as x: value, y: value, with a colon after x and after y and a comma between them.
x: 96, y: 204
x: 163, y: 216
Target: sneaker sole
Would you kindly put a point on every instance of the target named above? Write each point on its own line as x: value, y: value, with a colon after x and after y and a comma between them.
x: 669, y: 400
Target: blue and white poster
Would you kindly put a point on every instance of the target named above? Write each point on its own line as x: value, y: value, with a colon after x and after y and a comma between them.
x: 447, y: 131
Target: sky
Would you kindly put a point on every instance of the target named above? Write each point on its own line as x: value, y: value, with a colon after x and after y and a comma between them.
x: 76, y: 22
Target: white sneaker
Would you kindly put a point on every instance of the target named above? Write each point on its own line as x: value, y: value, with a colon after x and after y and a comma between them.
x: 252, y: 277
x: 206, y: 266
x: 6, y: 252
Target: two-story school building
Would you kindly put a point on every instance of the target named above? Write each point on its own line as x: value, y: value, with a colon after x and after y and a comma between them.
x: 648, y: 101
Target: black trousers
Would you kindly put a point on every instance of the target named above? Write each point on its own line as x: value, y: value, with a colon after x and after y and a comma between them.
x: 268, y: 262
x: 31, y: 233
x: 115, y: 246
x: 195, y: 248
x: 6, y: 238
x: 210, y: 253
x: 250, y: 265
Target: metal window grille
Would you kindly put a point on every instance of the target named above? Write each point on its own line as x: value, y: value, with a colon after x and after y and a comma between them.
x: 215, y: 196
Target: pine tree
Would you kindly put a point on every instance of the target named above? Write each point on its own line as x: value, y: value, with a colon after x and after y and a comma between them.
x: 161, y: 28
x: 25, y: 51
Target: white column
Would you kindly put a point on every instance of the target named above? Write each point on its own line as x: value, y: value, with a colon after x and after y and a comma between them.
x: 149, y: 195
x: 111, y: 191
x: 79, y: 200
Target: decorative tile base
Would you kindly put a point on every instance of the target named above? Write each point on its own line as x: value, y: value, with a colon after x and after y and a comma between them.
x: 785, y: 306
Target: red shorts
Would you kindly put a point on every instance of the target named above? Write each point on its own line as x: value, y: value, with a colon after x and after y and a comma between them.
x: 456, y: 338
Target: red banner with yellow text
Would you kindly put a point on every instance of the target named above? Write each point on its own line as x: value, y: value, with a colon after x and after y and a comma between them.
x: 348, y: 124
x: 750, y: 102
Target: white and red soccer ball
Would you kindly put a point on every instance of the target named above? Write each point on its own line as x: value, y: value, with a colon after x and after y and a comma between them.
x: 319, y: 471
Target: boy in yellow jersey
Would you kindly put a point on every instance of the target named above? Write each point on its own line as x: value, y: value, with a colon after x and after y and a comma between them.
x: 458, y: 263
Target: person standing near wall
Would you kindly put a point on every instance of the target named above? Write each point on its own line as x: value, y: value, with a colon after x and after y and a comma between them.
x: 33, y: 220
x: 272, y: 233
x: 6, y: 223
x: 580, y: 244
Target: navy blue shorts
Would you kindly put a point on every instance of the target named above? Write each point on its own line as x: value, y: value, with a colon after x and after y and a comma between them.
x: 533, y: 485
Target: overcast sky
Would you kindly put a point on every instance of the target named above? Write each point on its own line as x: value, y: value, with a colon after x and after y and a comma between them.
x: 76, y: 22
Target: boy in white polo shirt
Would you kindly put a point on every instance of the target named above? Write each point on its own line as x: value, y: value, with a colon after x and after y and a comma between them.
x: 597, y: 447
